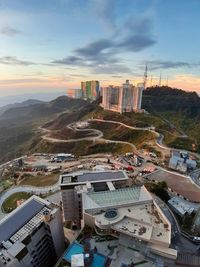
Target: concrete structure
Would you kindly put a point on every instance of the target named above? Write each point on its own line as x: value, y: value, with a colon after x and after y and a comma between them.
x: 74, y: 93
x: 72, y: 186
x: 32, y: 235
x: 125, y: 98
x: 102, y: 201
x: 182, y: 207
x: 90, y: 90
x: 180, y: 161
x: 131, y: 215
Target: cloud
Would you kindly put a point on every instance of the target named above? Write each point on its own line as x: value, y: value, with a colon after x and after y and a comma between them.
x: 106, y: 12
x: 20, y: 81
x: 139, y: 33
x: 117, y: 76
x: 136, y: 43
x: 94, y: 49
x: 160, y: 64
x: 110, y: 69
x: 95, y: 55
x: 9, y: 31
x: 78, y: 75
x: 142, y: 24
x: 102, y: 55
x: 71, y: 60
x: 9, y: 60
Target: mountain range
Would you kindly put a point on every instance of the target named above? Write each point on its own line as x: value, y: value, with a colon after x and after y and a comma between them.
x: 19, y: 131
x: 25, y: 103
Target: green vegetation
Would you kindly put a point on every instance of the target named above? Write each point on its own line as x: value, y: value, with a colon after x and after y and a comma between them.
x: 11, y: 202
x: 171, y: 134
x: 5, y: 184
x: 186, y: 223
x: 82, y: 148
x: 122, y: 133
x: 159, y: 189
x: 19, y: 126
x: 19, y: 132
x: 66, y: 134
x: 40, y: 180
x: 179, y: 107
x: 151, y: 149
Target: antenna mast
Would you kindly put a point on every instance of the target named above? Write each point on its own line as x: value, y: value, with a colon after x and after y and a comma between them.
x: 160, y: 80
x: 151, y: 80
x: 145, y: 77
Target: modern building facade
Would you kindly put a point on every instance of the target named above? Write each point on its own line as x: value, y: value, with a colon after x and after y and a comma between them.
x: 125, y: 98
x: 73, y: 185
x: 90, y: 90
x: 132, y: 216
x: 32, y: 235
x: 129, y: 214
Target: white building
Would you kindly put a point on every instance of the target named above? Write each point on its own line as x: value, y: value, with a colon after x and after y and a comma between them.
x: 180, y: 161
x: 32, y: 235
x: 72, y: 186
x: 125, y: 98
x: 182, y: 206
x: 131, y: 215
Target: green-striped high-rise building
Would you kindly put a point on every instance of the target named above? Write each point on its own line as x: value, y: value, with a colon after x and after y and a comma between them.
x: 90, y: 90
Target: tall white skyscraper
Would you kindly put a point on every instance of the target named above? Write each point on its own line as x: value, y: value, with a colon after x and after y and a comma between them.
x: 126, y: 98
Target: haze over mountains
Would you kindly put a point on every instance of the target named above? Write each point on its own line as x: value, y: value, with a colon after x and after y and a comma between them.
x: 19, y: 132
x: 26, y: 103
x: 11, y: 99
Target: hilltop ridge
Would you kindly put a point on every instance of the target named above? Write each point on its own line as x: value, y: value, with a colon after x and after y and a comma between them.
x: 19, y: 132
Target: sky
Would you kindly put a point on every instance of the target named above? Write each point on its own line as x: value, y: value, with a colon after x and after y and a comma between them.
x: 51, y: 45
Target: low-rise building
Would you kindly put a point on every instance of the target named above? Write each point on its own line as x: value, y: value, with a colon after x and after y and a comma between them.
x: 74, y: 93
x: 180, y: 161
x: 32, y: 235
x: 131, y: 215
x: 181, y: 206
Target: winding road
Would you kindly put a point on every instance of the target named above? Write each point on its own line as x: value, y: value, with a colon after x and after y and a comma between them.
x: 29, y: 189
x: 98, y: 136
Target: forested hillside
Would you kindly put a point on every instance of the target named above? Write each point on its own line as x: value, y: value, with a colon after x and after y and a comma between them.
x: 177, y: 106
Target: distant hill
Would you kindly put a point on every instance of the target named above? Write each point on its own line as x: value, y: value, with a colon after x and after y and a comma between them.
x: 177, y: 106
x: 19, y: 125
x: 26, y: 103
x: 42, y: 109
x: 18, y: 98
x: 19, y: 132
x: 167, y: 99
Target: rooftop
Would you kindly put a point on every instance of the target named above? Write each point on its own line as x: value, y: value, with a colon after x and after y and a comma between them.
x: 131, y: 211
x: 19, y: 217
x: 143, y: 221
x: 29, y: 226
x: 182, y: 206
x: 83, y: 177
x: 122, y: 196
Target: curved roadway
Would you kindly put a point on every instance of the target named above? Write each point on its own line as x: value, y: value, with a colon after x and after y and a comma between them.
x: 99, y: 136
x: 29, y: 189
